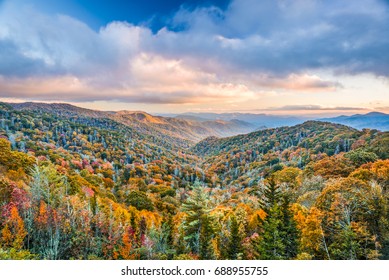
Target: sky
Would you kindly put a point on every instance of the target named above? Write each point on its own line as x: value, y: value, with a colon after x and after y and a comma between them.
x: 291, y: 57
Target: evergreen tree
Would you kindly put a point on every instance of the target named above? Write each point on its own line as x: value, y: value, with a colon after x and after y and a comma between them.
x: 272, y: 244
x: 205, y: 239
x: 269, y: 195
x: 279, y: 232
x: 168, y: 229
x: 197, y: 210
x: 234, y: 246
x: 290, y: 231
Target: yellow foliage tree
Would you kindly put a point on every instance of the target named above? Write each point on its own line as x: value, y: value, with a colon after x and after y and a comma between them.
x: 311, y: 234
x: 13, y: 233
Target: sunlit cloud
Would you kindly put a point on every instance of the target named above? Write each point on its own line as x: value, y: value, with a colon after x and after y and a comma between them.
x: 152, y: 79
x: 248, y: 52
x: 382, y: 109
x: 296, y: 82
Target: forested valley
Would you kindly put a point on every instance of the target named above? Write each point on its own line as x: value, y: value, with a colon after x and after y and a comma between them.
x: 79, y: 185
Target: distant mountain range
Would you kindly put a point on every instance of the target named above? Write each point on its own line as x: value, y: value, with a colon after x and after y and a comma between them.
x: 182, y: 131
x: 187, y: 129
x: 373, y: 120
x: 260, y: 121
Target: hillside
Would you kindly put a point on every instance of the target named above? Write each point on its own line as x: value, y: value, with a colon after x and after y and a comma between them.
x: 62, y: 109
x: 180, y: 132
x: 245, y: 159
x: 186, y: 130
x: 283, y: 137
x: 116, y: 187
x: 257, y: 120
x: 372, y: 120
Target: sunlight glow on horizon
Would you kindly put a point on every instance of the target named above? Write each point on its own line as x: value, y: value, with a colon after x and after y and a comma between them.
x: 220, y: 62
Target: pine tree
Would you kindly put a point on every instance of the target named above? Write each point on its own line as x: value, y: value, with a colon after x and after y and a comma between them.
x: 270, y: 195
x: 168, y: 226
x: 289, y: 229
x: 234, y: 246
x: 197, y: 209
x: 279, y: 232
x: 272, y: 244
x: 163, y: 239
x: 205, y: 239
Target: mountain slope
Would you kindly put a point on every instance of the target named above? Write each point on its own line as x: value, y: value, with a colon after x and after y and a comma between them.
x: 62, y: 109
x: 258, y: 120
x: 186, y: 130
x: 318, y: 134
x: 178, y: 131
x: 112, y: 192
x: 373, y: 120
x: 248, y: 158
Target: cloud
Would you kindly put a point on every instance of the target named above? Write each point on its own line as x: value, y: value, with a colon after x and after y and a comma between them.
x: 202, y: 55
x: 284, y: 37
x: 61, y: 45
x: 293, y: 82
x: 383, y: 108
x: 152, y: 79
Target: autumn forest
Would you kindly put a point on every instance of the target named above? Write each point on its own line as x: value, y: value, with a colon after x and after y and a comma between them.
x: 82, y: 184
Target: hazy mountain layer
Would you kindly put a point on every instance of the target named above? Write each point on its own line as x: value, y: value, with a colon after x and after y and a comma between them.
x: 373, y: 120
x: 179, y: 131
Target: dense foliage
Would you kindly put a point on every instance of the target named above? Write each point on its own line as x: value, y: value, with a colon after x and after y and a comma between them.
x: 89, y: 187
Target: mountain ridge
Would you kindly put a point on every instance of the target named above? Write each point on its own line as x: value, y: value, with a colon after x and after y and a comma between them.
x: 180, y: 131
x: 98, y: 169
x: 372, y: 120
x: 188, y: 129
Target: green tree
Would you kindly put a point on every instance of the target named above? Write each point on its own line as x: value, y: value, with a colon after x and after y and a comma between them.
x: 272, y: 244
x: 196, y: 208
x: 279, y: 238
x: 361, y: 156
x: 235, y: 239
x: 269, y: 195
x: 140, y: 201
x: 49, y: 213
x: 205, y: 239
x: 289, y: 229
